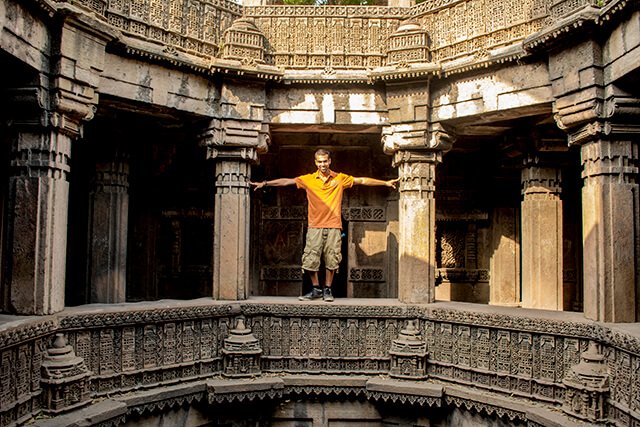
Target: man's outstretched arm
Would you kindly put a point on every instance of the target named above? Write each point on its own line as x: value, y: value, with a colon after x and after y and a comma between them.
x: 280, y: 182
x: 373, y: 182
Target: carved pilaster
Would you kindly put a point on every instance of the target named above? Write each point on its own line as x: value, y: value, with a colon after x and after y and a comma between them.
x: 602, y: 119
x: 231, y: 222
x: 38, y: 199
x: 541, y: 241
x: 610, y: 226
x: 416, y: 246
x: 65, y: 378
x: 109, y: 210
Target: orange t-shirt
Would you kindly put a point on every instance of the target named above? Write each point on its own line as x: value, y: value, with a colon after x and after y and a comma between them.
x: 324, y: 197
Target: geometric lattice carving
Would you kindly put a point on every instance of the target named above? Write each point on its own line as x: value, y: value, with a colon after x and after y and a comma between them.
x: 368, y: 274
x: 365, y: 213
x: 195, y: 28
x: 273, y: 273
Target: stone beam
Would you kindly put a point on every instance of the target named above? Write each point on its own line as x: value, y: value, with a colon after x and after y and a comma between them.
x: 522, y: 88
x: 333, y: 106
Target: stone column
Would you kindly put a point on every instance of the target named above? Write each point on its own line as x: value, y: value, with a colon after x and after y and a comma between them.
x: 231, y: 222
x: 541, y: 240
x: 504, y: 281
x: 601, y: 118
x: 38, y: 204
x: 610, y: 227
x: 44, y: 120
x: 417, y: 224
x: 109, y: 210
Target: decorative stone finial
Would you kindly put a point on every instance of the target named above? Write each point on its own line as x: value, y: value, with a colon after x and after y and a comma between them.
x: 241, y: 352
x: 408, y: 44
x: 65, y: 378
x: 409, y: 354
x: 243, y: 41
x: 587, y: 386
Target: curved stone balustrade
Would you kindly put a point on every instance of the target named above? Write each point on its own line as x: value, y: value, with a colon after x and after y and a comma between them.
x: 172, y: 351
x: 340, y: 43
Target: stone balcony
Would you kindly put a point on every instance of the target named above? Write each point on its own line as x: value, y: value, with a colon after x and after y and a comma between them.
x: 143, y: 357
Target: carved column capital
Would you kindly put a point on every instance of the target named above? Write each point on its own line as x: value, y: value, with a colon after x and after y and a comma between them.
x: 540, y: 178
x: 248, y: 138
x: 34, y: 108
x: 616, y: 117
x: 416, y: 170
x: 614, y: 160
x: 415, y: 137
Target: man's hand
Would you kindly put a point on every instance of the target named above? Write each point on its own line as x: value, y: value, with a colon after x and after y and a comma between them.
x: 392, y: 183
x: 258, y: 185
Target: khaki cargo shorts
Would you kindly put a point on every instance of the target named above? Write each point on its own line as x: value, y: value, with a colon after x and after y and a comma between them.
x: 325, y: 242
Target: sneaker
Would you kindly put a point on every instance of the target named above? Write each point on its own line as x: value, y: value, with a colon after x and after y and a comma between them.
x: 327, y: 295
x: 315, y: 293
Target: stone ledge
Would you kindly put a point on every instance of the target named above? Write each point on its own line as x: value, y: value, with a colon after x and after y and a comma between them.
x: 221, y: 391
x: 388, y: 385
x: 325, y: 381
x: 512, y: 408
x: 222, y: 386
x: 104, y: 413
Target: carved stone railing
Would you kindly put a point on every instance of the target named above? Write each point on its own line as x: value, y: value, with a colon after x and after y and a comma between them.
x: 193, y: 26
x: 327, y: 37
x: 459, y: 34
x: 516, y: 353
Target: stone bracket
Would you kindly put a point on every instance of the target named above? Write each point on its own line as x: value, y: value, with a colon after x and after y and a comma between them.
x: 245, y: 138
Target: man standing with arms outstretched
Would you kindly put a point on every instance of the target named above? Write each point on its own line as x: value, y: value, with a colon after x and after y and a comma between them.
x: 324, y: 195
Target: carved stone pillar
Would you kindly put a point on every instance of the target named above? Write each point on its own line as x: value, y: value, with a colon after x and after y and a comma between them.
x: 504, y: 281
x: 38, y: 202
x: 44, y: 120
x: 231, y: 222
x: 541, y: 240
x: 602, y: 119
x: 109, y: 209
x: 610, y: 230
x: 417, y: 224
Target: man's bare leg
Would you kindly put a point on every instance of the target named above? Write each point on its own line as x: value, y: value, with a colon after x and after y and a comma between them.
x: 314, y: 279
x: 328, y: 278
